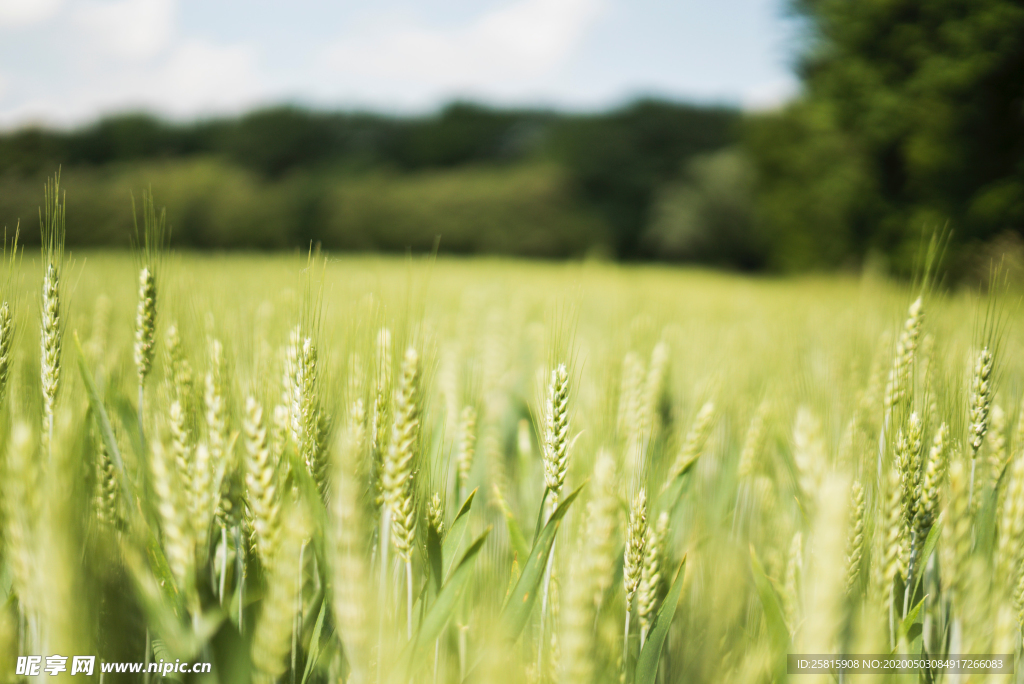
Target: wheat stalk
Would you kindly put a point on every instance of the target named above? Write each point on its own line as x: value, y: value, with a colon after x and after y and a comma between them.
x: 21, y: 512
x: 791, y: 603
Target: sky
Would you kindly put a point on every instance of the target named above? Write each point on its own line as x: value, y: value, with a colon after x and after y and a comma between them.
x: 67, y: 62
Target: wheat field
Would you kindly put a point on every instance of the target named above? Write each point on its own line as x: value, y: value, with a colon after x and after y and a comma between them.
x: 322, y: 468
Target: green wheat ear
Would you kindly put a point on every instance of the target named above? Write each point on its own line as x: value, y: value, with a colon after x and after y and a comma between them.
x: 51, y: 220
x: 855, y: 545
x: 633, y: 559
x: 349, y: 533
x: 556, y: 436
x: 149, y: 247
x: 400, y: 461
x: 7, y: 305
x: 261, y: 482
x: 651, y: 580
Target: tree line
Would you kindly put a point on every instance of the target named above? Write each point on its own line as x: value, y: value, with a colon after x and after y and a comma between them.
x: 910, y: 119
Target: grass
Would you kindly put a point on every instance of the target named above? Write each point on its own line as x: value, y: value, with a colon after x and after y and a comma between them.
x: 305, y: 498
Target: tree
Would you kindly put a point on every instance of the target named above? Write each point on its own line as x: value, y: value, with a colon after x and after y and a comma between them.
x: 921, y: 102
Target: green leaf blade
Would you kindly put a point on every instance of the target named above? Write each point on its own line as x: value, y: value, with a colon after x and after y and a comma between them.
x: 520, y: 602
x: 650, y: 654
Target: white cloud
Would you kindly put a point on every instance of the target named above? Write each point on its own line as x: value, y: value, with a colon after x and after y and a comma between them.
x: 203, y: 77
x: 192, y: 79
x: 512, y: 45
x: 128, y: 28
x: 21, y: 13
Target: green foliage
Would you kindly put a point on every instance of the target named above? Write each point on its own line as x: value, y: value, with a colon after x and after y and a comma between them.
x: 910, y: 116
x: 519, y: 210
x: 519, y: 182
x: 708, y: 216
x: 618, y: 161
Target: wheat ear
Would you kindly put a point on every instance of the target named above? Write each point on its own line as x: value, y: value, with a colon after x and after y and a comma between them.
x: 855, y: 545
x: 52, y: 328
x: 178, y: 544
x: 696, y: 438
x: 145, y: 325
x: 931, y: 485
x: 466, y: 449
x: 996, y: 439
x: 6, y: 345
x: 655, y: 388
x: 105, y: 492
x: 556, y: 464
x: 273, y: 634
x: 149, y: 245
x: 260, y: 481
x: 632, y: 566
x: 956, y: 532
x: 981, y: 400
x: 1011, y: 525
x: 351, y: 575
x: 379, y: 414
x: 556, y: 437
x: 898, y: 388
x: 892, y: 542
x: 649, y: 593
x: 308, y: 422
x: 399, y: 466
x: 51, y: 349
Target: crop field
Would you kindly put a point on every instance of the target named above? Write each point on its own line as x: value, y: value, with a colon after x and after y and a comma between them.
x: 310, y: 468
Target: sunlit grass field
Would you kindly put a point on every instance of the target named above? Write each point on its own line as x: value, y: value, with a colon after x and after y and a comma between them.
x: 432, y: 469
